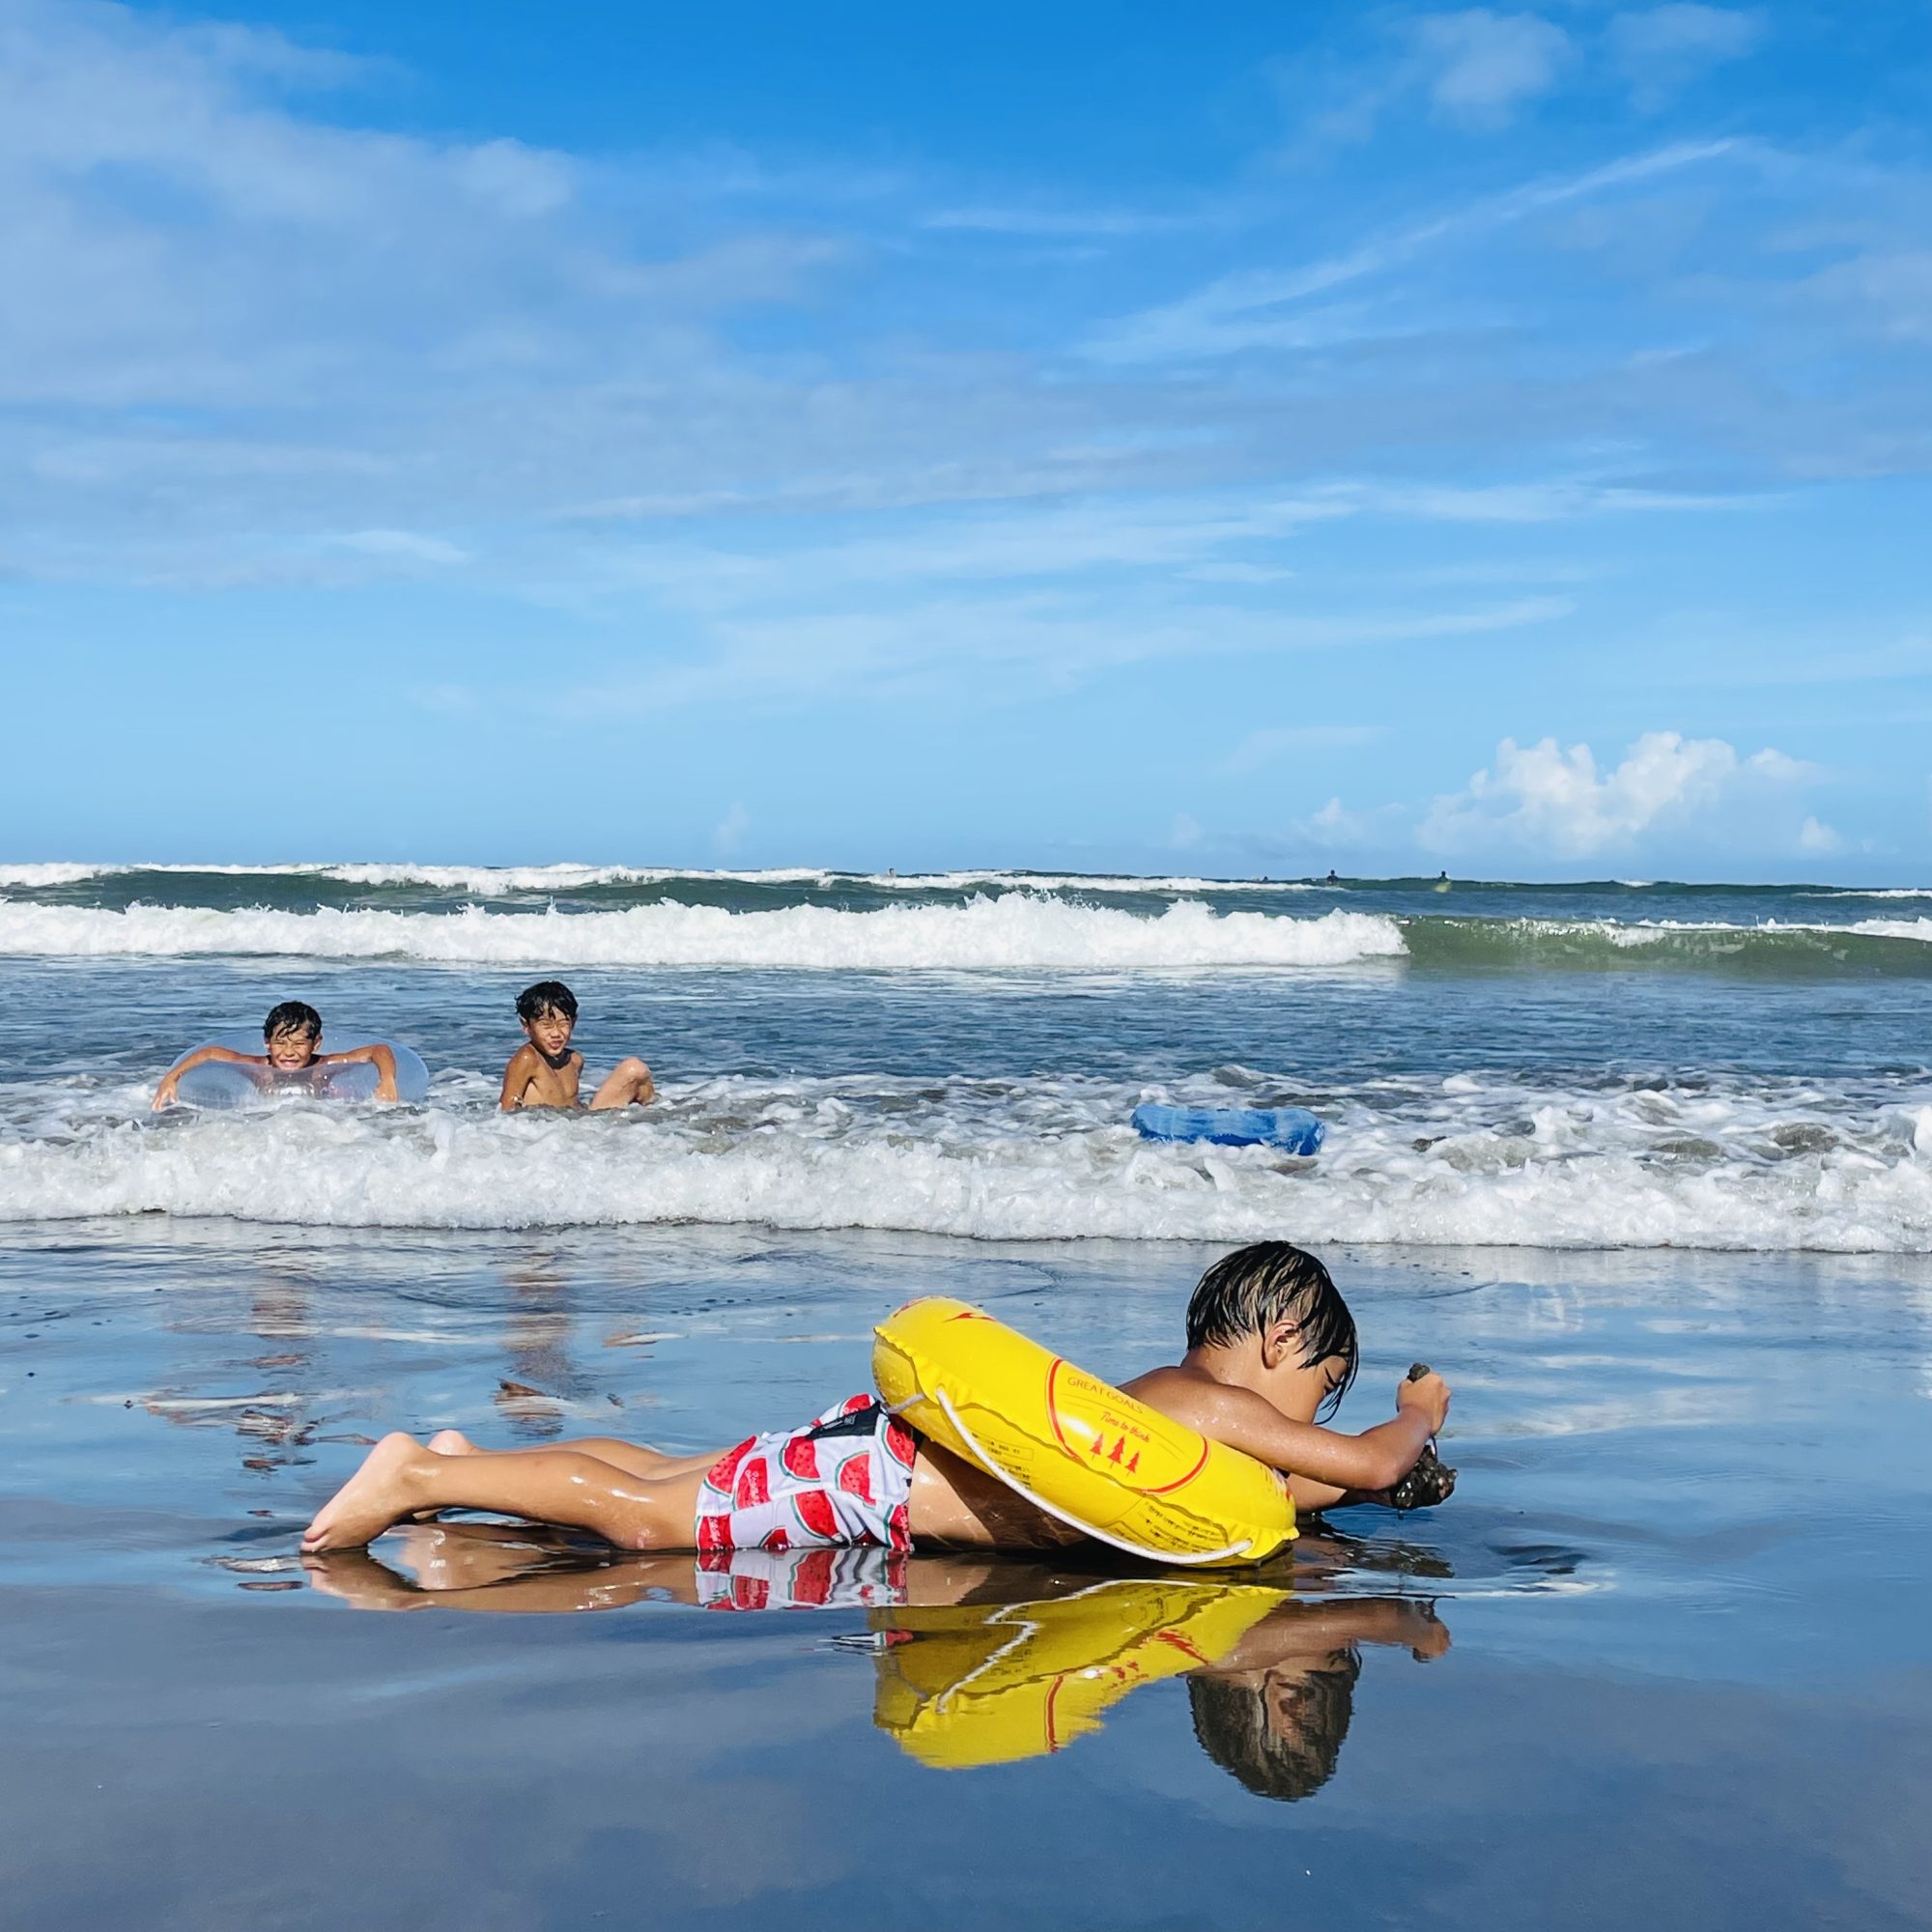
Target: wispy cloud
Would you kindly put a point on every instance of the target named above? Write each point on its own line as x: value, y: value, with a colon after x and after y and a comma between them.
x: 1247, y: 309
x: 729, y: 836
x: 410, y: 545
x: 988, y: 652
x: 1484, y: 64
x: 1279, y: 742
x: 1659, y: 51
x: 1052, y: 223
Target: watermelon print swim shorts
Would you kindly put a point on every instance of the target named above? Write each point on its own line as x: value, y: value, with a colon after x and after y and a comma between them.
x: 842, y: 1479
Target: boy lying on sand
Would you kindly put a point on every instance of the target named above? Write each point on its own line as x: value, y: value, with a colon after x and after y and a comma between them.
x: 545, y: 1072
x: 1270, y: 1344
x: 290, y: 1060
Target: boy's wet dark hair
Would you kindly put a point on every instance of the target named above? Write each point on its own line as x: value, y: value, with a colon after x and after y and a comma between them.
x: 292, y: 1017
x: 547, y: 996
x: 1287, y: 1760
x: 1246, y: 1293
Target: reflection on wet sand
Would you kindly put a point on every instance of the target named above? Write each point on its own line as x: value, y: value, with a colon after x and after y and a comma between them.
x: 541, y: 1377
x: 292, y: 1307
x: 978, y: 1661
x: 277, y: 1423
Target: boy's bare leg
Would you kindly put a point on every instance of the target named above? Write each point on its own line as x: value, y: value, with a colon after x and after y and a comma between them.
x: 401, y: 1477
x: 468, y: 1569
x: 628, y: 1085
x: 636, y: 1459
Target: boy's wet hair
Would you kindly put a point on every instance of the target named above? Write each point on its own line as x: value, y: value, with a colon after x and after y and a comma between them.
x: 1293, y: 1758
x: 1248, y: 1292
x: 547, y: 996
x: 292, y: 1017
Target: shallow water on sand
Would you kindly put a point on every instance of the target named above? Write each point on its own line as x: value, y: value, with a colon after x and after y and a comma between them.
x: 1661, y: 1658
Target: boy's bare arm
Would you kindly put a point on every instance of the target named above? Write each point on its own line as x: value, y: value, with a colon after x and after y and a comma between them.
x: 517, y: 1078
x: 377, y: 1054
x: 1307, y: 1631
x: 1325, y: 1465
x: 164, y: 1094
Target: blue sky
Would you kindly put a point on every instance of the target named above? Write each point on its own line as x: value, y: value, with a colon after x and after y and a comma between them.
x: 1233, y: 438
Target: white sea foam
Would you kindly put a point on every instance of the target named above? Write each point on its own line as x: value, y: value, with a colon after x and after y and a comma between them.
x: 1895, y: 928
x: 35, y: 878
x: 1016, y: 930
x: 493, y: 881
x: 1471, y: 1159
x: 1869, y: 893
x: 1638, y: 933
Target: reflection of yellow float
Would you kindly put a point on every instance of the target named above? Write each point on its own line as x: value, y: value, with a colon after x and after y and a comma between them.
x: 1111, y: 1466
x: 986, y: 1683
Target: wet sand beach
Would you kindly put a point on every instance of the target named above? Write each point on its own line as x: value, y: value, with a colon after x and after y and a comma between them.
x: 1661, y: 1658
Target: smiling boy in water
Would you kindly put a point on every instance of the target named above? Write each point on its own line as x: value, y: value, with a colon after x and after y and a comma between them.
x: 1270, y: 1345
x: 546, y: 1071
x: 289, y: 1060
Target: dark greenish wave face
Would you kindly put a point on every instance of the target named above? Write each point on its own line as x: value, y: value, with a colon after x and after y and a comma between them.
x: 1765, y: 952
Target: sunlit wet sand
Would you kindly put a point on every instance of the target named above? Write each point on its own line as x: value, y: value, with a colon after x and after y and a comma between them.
x: 1661, y: 1658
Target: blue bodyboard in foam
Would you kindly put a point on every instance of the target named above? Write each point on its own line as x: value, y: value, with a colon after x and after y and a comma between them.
x: 1293, y: 1130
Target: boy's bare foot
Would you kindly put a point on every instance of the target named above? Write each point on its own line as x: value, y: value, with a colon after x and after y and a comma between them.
x: 375, y: 1496
x: 359, y: 1578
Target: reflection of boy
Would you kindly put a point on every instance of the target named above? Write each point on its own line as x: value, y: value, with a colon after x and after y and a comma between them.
x: 545, y: 1071
x: 288, y: 1035
x: 1273, y: 1712
x: 1270, y: 1345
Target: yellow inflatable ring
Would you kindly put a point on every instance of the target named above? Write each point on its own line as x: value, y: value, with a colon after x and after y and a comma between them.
x: 988, y: 1683
x: 1111, y: 1466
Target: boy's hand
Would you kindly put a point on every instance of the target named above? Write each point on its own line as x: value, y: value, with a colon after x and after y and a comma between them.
x: 164, y: 1095
x: 1427, y: 1393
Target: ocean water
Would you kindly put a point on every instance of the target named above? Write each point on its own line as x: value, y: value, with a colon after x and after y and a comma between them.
x: 1608, y: 1065
x: 1646, y: 1171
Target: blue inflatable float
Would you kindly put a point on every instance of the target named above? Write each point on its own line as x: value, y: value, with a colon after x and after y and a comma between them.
x: 1293, y: 1130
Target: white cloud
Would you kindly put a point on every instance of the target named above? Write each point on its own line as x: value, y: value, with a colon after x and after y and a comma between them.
x: 1661, y: 49
x: 1814, y: 835
x: 1555, y: 800
x: 1487, y: 64
x: 1184, y: 833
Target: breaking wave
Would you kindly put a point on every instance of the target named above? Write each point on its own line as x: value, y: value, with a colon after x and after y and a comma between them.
x: 1011, y: 930
x: 1484, y: 1160
x: 1016, y: 930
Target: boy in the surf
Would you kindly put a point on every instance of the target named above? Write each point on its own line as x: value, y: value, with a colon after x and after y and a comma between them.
x: 1270, y: 1345
x: 545, y: 1070
x: 289, y: 1060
